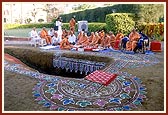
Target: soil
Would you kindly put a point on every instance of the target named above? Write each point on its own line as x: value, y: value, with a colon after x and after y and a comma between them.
x: 18, y: 88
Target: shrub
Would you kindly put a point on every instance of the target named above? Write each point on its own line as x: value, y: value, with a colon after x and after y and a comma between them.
x: 155, y: 30
x: 119, y: 22
x: 99, y: 14
x: 93, y: 27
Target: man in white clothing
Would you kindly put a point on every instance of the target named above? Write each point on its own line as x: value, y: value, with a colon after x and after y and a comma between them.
x: 59, y: 24
x: 51, y: 32
x: 34, y: 34
x: 55, y: 39
x: 72, y: 38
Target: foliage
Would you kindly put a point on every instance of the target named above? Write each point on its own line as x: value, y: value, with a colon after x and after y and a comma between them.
x: 152, y: 30
x: 141, y: 13
x: 83, y: 7
x: 151, y: 12
x: 99, y: 14
x: 28, y: 20
x: 93, y: 27
x: 119, y: 22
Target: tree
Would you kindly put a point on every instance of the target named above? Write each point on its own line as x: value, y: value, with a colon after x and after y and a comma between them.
x: 151, y: 12
x: 28, y: 20
x: 34, y: 13
x: 82, y: 7
x: 52, y: 12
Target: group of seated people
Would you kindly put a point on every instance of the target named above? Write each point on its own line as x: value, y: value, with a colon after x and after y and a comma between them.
x: 98, y: 39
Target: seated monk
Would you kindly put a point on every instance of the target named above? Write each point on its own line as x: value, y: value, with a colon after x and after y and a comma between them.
x: 95, y: 40
x: 112, y: 39
x: 118, y: 39
x: 91, y: 37
x: 102, y: 35
x: 106, y: 41
x: 80, y: 35
x: 64, y: 44
x: 44, y: 35
x: 133, y: 39
x: 83, y: 40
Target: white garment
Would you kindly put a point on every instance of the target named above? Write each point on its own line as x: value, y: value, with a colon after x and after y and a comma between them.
x: 51, y: 32
x: 72, y: 39
x: 59, y: 31
x: 55, y: 40
x: 33, y: 34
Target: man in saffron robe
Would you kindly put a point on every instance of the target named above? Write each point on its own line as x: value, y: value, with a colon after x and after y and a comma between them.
x: 112, y: 39
x: 80, y: 35
x: 102, y: 35
x: 106, y: 41
x: 44, y: 35
x: 95, y: 40
x: 118, y: 39
x: 133, y: 39
x: 83, y: 40
x: 72, y: 24
x: 91, y: 37
x: 65, y: 44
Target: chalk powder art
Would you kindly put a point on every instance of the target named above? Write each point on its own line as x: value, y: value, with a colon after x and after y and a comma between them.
x: 124, y: 93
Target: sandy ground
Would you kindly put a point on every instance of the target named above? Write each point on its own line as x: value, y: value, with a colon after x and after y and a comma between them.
x: 18, y: 88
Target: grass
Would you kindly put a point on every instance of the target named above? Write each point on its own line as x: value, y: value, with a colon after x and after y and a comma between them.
x: 20, y: 32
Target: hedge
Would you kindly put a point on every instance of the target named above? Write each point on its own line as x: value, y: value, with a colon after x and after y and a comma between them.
x: 119, y: 22
x: 99, y: 14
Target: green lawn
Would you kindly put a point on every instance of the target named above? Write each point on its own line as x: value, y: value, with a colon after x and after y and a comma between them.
x: 20, y: 32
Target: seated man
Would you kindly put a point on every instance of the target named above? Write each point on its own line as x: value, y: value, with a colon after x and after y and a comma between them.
x: 112, y: 39
x: 102, y: 35
x: 118, y: 39
x: 35, y: 39
x: 64, y: 44
x: 83, y: 40
x: 72, y: 38
x: 34, y: 34
x: 80, y: 35
x: 95, y: 40
x: 44, y: 35
x: 55, y: 39
x: 106, y: 41
x: 51, y: 32
x: 142, y: 43
x: 133, y: 39
x: 124, y: 42
x: 91, y: 37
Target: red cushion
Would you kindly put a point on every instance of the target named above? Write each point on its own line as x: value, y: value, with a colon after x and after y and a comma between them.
x: 88, y: 49
x: 101, y: 77
x: 155, y: 46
